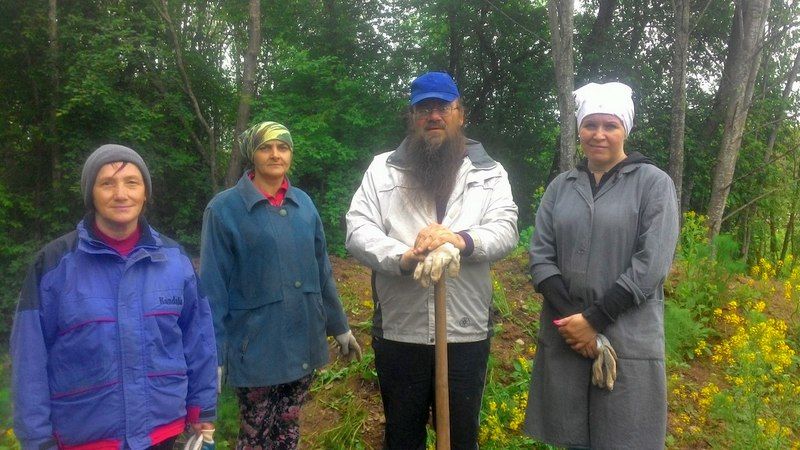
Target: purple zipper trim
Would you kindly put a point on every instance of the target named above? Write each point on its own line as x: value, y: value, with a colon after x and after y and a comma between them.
x: 84, y: 390
x: 76, y: 326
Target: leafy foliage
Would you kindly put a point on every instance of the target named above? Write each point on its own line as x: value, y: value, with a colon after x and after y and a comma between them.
x: 682, y: 333
x: 337, y: 74
x: 705, y: 273
x: 336, y: 126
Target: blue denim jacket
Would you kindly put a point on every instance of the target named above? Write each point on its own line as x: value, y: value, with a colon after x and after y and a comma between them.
x: 267, y: 274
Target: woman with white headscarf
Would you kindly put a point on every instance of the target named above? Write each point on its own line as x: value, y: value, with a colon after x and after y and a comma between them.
x: 604, y: 241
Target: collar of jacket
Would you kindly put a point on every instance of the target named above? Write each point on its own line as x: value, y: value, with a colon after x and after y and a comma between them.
x: 631, y: 163
x: 475, y: 152
x: 628, y: 168
x: 252, y: 196
x: 149, y: 240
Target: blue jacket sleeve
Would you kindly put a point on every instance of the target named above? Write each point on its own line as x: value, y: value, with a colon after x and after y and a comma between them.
x: 29, y: 382
x: 216, y: 262
x: 337, y: 320
x: 199, y: 351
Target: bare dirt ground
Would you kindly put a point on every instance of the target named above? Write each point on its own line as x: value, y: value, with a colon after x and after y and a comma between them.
x: 514, y: 332
x: 353, y: 281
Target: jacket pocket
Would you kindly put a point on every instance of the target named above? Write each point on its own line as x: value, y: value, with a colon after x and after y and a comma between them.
x: 639, y: 332
x: 315, y: 305
x: 88, y: 416
x: 163, y: 334
x: 253, y: 301
x: 253, y: 325
x: 258, y: 289
x: 302, y: 311
x: 85, y: 351
x: 168, y: 392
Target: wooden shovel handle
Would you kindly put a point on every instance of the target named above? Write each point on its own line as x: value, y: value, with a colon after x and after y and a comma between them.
x: 442, y: 389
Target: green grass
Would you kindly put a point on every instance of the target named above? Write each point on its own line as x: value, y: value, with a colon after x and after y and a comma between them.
x: 499, y: 297
x: 7, y: 439
x: 346, y: 433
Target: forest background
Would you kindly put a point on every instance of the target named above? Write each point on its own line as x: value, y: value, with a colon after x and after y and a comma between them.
x: 715, y: 87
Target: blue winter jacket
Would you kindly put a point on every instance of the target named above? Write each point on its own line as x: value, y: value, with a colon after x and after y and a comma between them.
x: 108, y: 350
x: 267, y: 274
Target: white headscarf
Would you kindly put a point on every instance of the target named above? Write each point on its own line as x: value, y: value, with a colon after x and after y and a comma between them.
x: 609, y: 98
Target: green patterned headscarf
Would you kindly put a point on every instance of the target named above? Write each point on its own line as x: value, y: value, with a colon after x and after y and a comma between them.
x: 262, y: 132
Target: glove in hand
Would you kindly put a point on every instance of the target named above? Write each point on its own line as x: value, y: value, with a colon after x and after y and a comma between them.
x: 445, y: 257
x: 604, y: 368
x: 203, y: 440
x: 348, y: 346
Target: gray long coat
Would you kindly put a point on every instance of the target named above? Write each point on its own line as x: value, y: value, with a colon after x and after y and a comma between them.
x: 625, y: 235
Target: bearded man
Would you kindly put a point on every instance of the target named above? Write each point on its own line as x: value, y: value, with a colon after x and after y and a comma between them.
x: 437, y: 200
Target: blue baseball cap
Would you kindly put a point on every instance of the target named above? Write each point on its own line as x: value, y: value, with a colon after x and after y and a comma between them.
x: 434, y: 85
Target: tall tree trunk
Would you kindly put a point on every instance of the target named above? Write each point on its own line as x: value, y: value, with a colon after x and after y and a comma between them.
x: 680, y: 57
x: 753, y: 15
x: 489, y: 68
x: 686, y: 195
x: 787, y: 237
x: 456, y: 39
x: 595, y: 43
x: 733, y: 62
x: 560, y: 18
x: 773, y: 235
x: 791, y: 77
x: 642, y: 10
x: 52, y: 124
x: 747, y: 234
x: 209, y: 153
x: 248, y: 91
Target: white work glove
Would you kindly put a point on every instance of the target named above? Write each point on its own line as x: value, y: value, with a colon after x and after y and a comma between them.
x: 347, y: 343
x: 604, y: 368
x: 446, y: 256
x: 195, y: 442
x: 219, y: 379
x: 204, y: 440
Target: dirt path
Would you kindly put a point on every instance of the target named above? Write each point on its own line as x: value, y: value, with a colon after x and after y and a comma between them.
x: 353, y: 280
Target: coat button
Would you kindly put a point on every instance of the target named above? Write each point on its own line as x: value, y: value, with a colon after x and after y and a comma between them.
x: 282, y: 212
x: 581, y: 251
x: 297, y: 284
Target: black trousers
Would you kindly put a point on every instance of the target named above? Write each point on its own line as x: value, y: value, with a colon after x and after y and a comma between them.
x: 406, y: 374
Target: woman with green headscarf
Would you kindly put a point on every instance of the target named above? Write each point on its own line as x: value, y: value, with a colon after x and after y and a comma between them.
x: 265, y: 268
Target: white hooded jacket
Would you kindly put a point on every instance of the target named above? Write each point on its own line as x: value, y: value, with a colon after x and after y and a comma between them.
x: 383, y: 222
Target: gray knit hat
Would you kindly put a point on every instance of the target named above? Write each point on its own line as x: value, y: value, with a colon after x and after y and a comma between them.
x: 105, y: 154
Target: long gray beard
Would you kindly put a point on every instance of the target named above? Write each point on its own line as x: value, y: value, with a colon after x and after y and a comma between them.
x: 434, y: 167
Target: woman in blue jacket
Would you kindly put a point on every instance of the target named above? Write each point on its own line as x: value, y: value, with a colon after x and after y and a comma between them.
x: 112, y: 345
x: 265, y: 267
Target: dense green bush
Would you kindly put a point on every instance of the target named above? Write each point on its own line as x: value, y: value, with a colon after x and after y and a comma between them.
x: 338, y: 122
x: 704, y: 272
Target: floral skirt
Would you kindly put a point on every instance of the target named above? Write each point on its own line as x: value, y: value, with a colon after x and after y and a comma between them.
x: 270, y: 416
